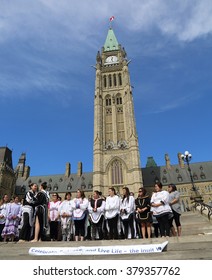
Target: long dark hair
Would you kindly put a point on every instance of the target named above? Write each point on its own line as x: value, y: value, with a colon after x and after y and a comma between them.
x: 127, y: 195
x: 82, y: 193
x: 44, y: 185
x: 144, y: 191
x: 159, y: 184
x: 68, y: 193
x: 173, y: 186
x: 98, y: 192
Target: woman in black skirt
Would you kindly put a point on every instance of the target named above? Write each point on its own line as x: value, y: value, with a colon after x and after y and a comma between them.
x: 143, y: 213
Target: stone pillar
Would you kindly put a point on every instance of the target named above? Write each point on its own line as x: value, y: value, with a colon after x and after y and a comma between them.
x: 79, y: 169
x: 68, y: 170
x: 180, y: 160
x: 167, y: 159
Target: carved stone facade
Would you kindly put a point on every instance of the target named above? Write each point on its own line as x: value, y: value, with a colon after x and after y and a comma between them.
x: 7, y: 174
x: 116, y: 158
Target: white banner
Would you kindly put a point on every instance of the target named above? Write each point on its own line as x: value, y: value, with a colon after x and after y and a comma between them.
x: 99, y: 250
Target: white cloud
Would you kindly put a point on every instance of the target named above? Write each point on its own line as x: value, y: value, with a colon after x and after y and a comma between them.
x: 166, y: 103
x: 47, y: 29
x: 186, y: 19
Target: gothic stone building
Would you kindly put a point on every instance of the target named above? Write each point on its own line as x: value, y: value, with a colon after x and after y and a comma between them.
x: 116, y: 158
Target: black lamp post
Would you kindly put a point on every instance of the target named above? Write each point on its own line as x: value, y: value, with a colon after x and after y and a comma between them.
x: 186, y: 157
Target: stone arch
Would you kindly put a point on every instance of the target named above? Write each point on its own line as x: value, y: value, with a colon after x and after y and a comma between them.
x: 108, y: 100
x: 116, y: 171
x: 119, y: 100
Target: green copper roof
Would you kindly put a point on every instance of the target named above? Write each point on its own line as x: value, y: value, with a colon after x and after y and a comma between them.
x: 111, y: 42
x: 151, y: 162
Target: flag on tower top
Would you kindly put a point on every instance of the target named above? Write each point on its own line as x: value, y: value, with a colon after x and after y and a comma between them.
x: 112, y: 18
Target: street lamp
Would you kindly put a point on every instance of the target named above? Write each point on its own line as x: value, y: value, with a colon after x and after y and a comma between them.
x: 186, y: 157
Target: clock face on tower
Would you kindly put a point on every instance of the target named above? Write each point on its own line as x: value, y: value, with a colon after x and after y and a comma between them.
x: 111, y: 59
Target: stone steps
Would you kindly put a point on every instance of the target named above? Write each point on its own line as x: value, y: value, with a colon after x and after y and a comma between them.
x: 195, y: 243
x: 193, y: 223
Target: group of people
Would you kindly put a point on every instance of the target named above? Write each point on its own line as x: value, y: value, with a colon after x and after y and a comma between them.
x: 45, y: 218
x: 24, y: 220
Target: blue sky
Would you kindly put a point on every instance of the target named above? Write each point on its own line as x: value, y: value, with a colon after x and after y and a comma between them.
x: 47, y: 82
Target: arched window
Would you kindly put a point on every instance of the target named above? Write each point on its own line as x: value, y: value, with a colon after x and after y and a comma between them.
x: 49, y: 187
x: 108, y: 102
x: 202, y: 175
x: 118, y: 100
x: 83, y: 185
x: 164, y: 179
x: 179, y: 178
x: 117, y: 173
x: 195, y: 177
x: 69, y: 186
x: 55, y: 188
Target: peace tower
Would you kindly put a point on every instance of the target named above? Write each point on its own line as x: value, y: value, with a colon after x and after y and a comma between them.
x: 116, y: 158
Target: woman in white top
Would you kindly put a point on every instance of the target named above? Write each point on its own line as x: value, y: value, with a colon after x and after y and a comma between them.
x: 127, y: 209
x: 112, y: 213
x: 65, y: 211
x: 13, y: 217
x: 96, y: 208
x: 54, y: 216
x: 80, y: 206
x: 161, y: 209
x: 4, y: 204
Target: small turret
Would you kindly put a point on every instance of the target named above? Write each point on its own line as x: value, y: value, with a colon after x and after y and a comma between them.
x: 26, y: 172
x: 79, y: 169
x: 68, y: 170
x: 21, y: 165
x: 167, y: 159
x: 180, y: 160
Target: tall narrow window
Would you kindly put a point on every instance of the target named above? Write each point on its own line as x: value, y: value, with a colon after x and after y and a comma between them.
x: 110, y: 80
x: 119, y: 118
x: 108, y: 101
x: 108, y: 120
x: 120, y: 124
x: 114, y: 80
x: 117, y: 173
x: 118, y: 100
x: 120, y: 79
x: 105, y: 81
